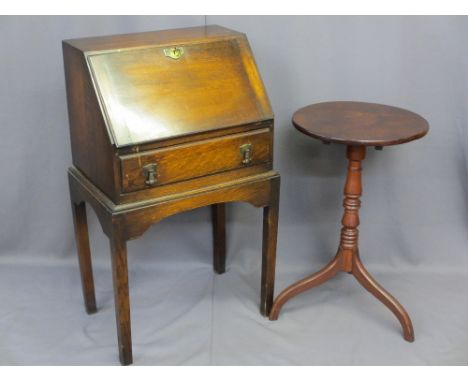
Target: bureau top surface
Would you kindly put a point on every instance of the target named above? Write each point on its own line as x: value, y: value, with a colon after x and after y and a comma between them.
x: 151, y: 38
x: 156, y: 85
x: 360, y: 123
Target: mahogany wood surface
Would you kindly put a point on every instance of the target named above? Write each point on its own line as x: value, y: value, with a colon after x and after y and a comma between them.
x: 347, y: 122
x: 360, y: 123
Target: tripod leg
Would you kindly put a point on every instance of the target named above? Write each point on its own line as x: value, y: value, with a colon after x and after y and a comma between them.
x: 368, y: 282
x: 326, y: 273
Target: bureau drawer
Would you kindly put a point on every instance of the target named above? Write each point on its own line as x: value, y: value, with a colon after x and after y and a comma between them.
x: 195, y: 159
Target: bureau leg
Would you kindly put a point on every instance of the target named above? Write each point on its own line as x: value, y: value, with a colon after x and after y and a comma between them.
x: 121, y: 297
x: 84, y: 256
x: 270, y: 232
x: 218, y: 213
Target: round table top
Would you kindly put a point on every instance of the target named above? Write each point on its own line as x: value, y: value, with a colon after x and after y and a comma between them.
x: 360, y: 123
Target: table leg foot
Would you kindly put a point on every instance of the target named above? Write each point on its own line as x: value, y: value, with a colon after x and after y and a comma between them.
x: 372, y: 286
x: 326, y: 273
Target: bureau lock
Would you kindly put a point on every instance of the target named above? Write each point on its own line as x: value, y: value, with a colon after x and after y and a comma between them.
x: 149, y: 172
x: 175, y: 52
x: 246, y: 152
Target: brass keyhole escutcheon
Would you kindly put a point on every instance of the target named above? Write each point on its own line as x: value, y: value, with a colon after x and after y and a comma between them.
x: 149, y: 172
x: 174, y: 52
x: 246, y: 152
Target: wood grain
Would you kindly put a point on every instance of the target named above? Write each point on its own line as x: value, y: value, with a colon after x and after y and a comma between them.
x: 161, y: 37
x: 130, y: 106
x: 196, y: 159
x: 92, y: 151
x: 121, y: 296
x: 218, y: 216
x: 270, y: 233
x: 84, y: 256
x: 146, y: 96
x: 125, y: 222
x: 347, y: 258
x: 360, y: 123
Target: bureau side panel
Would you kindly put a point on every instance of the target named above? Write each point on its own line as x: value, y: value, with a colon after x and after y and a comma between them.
x: 92, y: 151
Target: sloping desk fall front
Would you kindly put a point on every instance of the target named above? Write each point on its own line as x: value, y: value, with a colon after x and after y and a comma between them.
x: 161, y: 123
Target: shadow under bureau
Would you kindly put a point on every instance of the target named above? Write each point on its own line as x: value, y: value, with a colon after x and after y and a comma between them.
x: 160, y: 123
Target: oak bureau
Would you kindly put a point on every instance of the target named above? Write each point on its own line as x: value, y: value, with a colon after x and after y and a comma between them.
x: 160, y: 123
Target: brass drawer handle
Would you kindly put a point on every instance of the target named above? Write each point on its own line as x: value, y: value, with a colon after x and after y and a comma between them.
x: 149, y: 171
x: 246, y: 152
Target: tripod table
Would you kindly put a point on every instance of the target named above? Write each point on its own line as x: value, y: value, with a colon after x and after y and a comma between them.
x: 356, y: 125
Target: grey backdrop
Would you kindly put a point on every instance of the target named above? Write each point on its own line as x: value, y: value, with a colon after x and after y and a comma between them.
x: 413, y: 226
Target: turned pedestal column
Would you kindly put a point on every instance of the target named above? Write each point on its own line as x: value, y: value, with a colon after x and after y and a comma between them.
x: 357, y: 125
